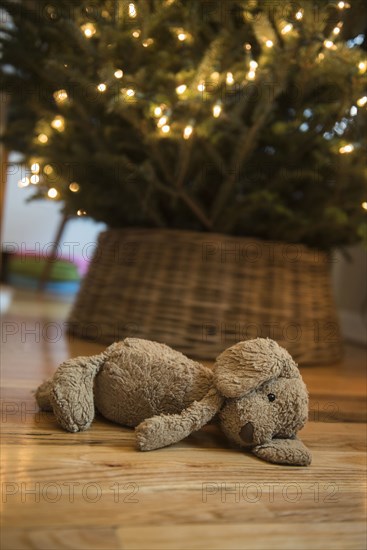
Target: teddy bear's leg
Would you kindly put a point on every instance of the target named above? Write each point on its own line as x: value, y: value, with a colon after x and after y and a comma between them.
x: 162, y: 430
x: 72, y: 392
x: 43, y: 396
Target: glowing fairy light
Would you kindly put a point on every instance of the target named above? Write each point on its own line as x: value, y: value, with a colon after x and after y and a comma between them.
x: 253, y: 65
x: 166, y: 129
x: 299, y: 15
x: 58, y: 123
x: 81, y: 213
x: 362, y: 66
x: 201, y: 87
x: 136, y: 34
x: 102, y: 87
x: 361, y: 102
x: 346, y: 149
x: 148, y: 42
x: 269, y: 43
x: 343, y: 5
x: 287, y: 28
x: 24, y: 182
x: 229, y: 79
x: 89, y: 30
x: 336, y: 30
x: 61, y: 96
x: 35, y: 179
x: 162, y: 121
x: 132, y: 11
x: 217, y: 109
x: 182, y: 36
x: 364, y: 205
x: 42, y: 138
x: 119, y: 73
x: 52, y: 193
x: 48, y: 170
x: 158, y: 111
x: 74, y: 187
x: 130, y: 92
x: 329, y: 44
x: 181, y: 89
x: 35, y: 168
x: 188, y: 131
x: 251, y: 75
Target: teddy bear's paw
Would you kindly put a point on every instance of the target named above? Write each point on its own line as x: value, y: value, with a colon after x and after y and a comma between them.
x: 149, y: 434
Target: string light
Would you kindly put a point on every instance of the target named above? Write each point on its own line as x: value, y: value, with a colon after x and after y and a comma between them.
x: 162, y: 121
x: 336, y: 30
x: 182, y: 36
x: 287, y: 28
x: 132, y: 11
x: 248, y: 47
x: 119, y: 73
x: 166, y: 128
x: 229, y: 79
x: 362, y: 67
x: 61, y: 96
x: 42, y: 138
x: 102, y: 87
x: 364, y: 205
x: 353, y: 110
x: 251, y: 75
x: 52, y: 193
x: 136, y: 34
x: 181, y: 89
x: 201, y: 87
x: 299, y: 15
x: 74, y: 187
x: 58, y: 123
x: 361, y: 102
x: 269, y: 43
x: 215, y: 76
x: 88, y: 29
x: 346, y: 149
x: 130, y: 92
x: 187, y: 131
x: 35, y: 179
x: 35, y: 168
x: 48, y: 170
x: 217, y: 109
x: 343, y: 5
x: 148, y: 42
x: 81, y: 213
x: 329, y: 44
x: 24, y: 182
x: 253, y: 65
x: 158, y: 111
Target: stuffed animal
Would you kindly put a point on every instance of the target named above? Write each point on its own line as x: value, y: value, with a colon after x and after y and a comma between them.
x: 255, y: 387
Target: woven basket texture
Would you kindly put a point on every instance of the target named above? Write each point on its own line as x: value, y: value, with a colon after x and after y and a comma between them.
x: 202, y: 292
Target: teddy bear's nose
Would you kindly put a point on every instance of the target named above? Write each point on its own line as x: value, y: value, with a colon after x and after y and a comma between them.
x: 247, y: 433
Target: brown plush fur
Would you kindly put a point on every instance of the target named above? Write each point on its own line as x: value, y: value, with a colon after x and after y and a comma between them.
x: 255, y: 387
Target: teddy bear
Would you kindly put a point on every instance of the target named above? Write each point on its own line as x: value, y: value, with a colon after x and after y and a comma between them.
x: 255, y: 390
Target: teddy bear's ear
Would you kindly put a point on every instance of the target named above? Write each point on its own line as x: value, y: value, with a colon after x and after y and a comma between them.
x: 246, y: 365
x: 284, y: 451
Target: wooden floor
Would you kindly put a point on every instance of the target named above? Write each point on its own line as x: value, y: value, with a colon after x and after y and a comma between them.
x: 95, y: 491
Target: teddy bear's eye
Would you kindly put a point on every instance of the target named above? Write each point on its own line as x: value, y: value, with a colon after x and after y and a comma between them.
x: 271, y: 397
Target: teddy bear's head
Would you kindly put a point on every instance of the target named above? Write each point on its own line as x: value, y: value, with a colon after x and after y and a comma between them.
x: 267, y: 401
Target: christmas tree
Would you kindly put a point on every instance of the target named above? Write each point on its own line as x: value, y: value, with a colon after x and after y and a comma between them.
x: 240, y: 117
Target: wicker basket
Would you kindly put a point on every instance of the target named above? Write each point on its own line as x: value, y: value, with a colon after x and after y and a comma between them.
x: 202, y: 292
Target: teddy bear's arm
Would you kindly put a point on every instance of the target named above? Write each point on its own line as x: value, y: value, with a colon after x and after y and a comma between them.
x: 284, y: 451
x: 162, y: 430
